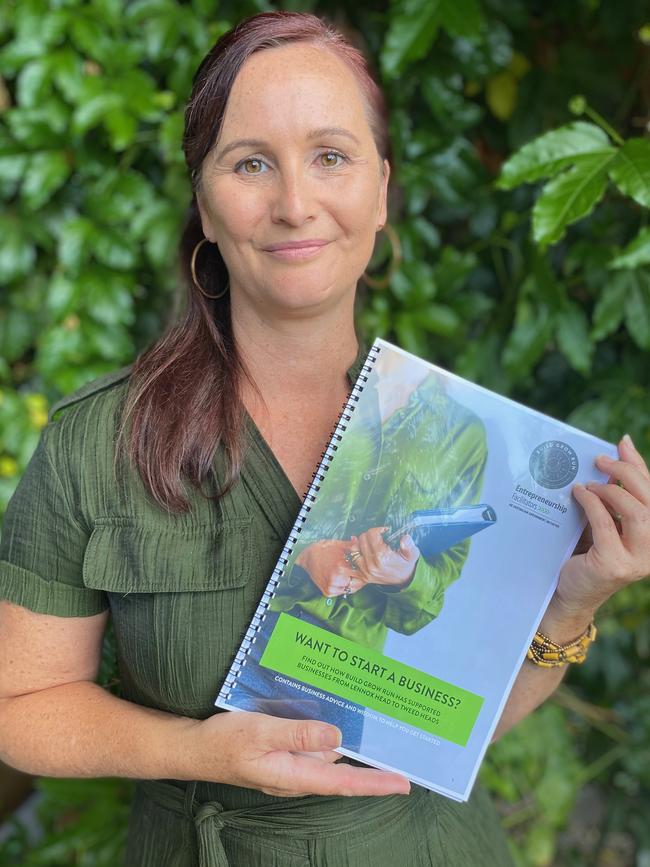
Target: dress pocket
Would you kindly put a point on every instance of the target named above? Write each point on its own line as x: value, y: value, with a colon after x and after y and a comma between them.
x: 181, y: 599
x: 125, y: 556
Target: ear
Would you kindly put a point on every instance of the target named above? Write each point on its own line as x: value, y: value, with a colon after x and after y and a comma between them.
x: 205, y: 222
x: 382, y: 213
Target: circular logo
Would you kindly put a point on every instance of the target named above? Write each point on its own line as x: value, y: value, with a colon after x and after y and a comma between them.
x: 553, y: 464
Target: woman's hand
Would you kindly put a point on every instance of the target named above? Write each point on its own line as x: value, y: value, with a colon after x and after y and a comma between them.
x: 380, y: 564
x: 619, y: 524
x: 280, y: 757
x: 327, y: 565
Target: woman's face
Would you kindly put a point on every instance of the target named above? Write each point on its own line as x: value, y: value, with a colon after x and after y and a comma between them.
x: 295, y: 161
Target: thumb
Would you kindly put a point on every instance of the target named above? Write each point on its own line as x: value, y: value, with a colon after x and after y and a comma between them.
x: 408, y: 548
x: 303, y: 736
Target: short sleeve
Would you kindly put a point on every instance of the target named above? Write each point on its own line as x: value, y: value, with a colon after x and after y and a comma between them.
x: 43, y: 542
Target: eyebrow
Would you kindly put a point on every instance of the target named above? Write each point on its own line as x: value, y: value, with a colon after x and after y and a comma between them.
x: 256, y: 143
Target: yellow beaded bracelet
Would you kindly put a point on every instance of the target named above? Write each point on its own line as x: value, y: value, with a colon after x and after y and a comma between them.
x: 547, y: 653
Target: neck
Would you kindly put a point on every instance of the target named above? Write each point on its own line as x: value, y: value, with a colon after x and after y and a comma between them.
x: 396, y: 383
x: 309, y: 354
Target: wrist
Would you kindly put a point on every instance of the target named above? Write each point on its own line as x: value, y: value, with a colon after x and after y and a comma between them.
x: 563, y: 624
x: 179, y: 749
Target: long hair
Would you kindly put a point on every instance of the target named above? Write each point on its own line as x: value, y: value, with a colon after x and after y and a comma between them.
x: 184, y: 396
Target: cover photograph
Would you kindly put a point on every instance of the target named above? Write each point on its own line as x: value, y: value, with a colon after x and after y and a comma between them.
x: 418, y: 569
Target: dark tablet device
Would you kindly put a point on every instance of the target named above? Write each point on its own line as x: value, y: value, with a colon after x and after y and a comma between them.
x: 435, y: 530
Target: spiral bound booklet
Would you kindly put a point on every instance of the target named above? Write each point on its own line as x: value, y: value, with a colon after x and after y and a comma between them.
x: 418, y: 569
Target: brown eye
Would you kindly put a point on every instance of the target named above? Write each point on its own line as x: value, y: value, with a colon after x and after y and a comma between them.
x: 255, y: 164
x: 330, y: 159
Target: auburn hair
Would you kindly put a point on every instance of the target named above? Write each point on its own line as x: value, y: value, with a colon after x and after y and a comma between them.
x: 184, y: 393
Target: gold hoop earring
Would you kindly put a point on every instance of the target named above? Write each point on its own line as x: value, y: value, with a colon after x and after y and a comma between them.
x: 395, y: 260
x: 193, y: 270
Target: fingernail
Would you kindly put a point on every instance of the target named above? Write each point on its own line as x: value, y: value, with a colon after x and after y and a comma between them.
x: 330, y: 738
x: 628, y: 439
x: 605, y: 459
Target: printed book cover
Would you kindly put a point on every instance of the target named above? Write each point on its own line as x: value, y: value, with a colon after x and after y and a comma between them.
x: 419, y: 567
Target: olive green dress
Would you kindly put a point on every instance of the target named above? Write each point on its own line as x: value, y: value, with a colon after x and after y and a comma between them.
x: 79, y: 537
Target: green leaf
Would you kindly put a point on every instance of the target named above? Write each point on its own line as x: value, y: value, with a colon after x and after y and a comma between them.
x: 439, y: 319
x: 532, y: 330
x: 62, y: 295
x: 452, y: 270
x: 550, y: 153
x: 572, y: 333
x: 67, y: 73
x: 17, y: 330
x: 528, y: 339
x: 461, y: 17
x: 610, y: 307
x: 118, y: 196
x: 40, y: 127
x: 409, y: 333
x: 569, y: 197
x: 448, y: 105
x: 33, y: 83
x: 73, y: 243
x: 637, y: 307
x: 122, y: 128
x: 170, y: 136
x: 17, y: 251
x: 631, y: 170
x: 108, y: 296
x: 46, y: 172
x: 636, y: 253
x: 411, y: 32
x: 162, y: 241
x: 114, y: 250
x: 90, y: 113
x: 12, y: 169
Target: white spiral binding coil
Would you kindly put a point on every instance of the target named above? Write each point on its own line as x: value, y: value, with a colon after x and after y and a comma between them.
x: 310, y: 497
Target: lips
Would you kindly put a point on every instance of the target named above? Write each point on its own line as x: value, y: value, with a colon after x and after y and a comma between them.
x: 296, y: 245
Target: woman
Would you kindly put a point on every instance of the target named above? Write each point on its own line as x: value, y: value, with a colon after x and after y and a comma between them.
x: 286, y: 143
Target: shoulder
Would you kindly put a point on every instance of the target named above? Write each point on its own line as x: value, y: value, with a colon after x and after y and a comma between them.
x: 83, y: 424
x: 112, y: 386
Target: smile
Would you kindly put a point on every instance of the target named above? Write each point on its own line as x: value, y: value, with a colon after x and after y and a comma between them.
x: 297, y: 252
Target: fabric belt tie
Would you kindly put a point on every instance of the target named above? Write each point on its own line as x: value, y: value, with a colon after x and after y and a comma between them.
x: 287, y: 817
x: 209, y: 822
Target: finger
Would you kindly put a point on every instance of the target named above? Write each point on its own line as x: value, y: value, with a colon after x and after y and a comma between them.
x: 630, y: 475
x: 408, y: 549
x: 380, y: 547
x: 328, y: 756
x: 634, y: 517
x: 369, y: 562
x: 620, y: 501
x: 348, y: 585
x: 629, y: 452
x: 603, y: 528
x: 340, y: 581
x: 300, y: 736
x: 344, y: 779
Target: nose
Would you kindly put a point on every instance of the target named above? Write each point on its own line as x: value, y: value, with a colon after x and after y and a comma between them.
x: 294, y: 199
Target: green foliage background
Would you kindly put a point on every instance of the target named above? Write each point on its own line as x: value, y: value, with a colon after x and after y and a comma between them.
x: 94, y: 189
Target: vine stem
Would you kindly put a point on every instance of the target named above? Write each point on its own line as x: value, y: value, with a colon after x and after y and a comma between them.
x: 604, y: 125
